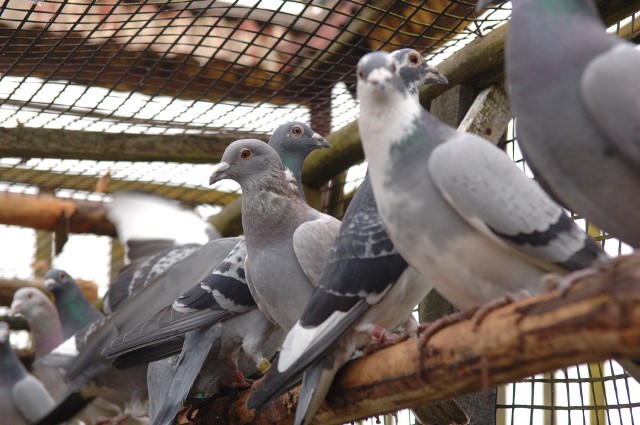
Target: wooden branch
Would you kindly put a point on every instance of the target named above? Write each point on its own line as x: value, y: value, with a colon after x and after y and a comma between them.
x: 28, y: 142
x: 489, y: 114
x: 9, y: 286
x: 598, y: 318
x: 50, y: 179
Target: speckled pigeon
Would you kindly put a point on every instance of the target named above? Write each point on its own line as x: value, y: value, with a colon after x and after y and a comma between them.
x: 23, y: 399
x: 366, y: 285
x: 471, y: 222
x: 575, y: 91
x: 222, y: 295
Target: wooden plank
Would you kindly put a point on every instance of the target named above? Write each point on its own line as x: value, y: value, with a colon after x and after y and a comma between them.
x: 54, y: 180
x: 598, y: 318
x: 29, y: 142
x: 9, y: 286
x: 489, y: 115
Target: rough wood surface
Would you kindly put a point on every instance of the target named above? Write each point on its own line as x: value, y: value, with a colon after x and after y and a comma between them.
x: 50, y: 179
x: 488, y: 115
x: 27, y: 142
x: 9, y: 286
x: 597, y: 319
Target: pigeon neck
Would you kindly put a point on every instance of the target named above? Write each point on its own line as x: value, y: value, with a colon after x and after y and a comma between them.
x: 47, y: 333
x: 74, y: 310
x: 294, y: 165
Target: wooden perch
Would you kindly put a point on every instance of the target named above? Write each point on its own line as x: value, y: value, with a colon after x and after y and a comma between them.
x: 28, y: 142
x: 9, y: 286
x: 598, y: 318
x: 53, y: 180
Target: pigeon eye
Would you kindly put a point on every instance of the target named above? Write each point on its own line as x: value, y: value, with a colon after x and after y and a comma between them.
x: 245, y: 153
x: 62, y: 276
x: 29, y: 295
x: 296, y: 130
x: 413, y: 58
x: 361, y: 74
x: 393, y: 68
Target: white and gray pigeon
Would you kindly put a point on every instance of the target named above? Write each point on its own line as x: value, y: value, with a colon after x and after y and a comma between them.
x: 74, y: 310
x: 287, y: 240
x: 366, y: 288
x: 23, y: 399
x: 471, y: 221
x: 151, y: 246
x: 221, y: 297
x: 575, y: 93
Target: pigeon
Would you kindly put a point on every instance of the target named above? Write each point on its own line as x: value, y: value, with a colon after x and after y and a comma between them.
x: 151, y: 246
x: 46, y: 331
x: 575, y: 93
x: 287, y: 240
x: 74, y: 309
x: 223, y: 295
x: 42, y: 317
x: 471, y: 222
x: 87, y: 363
x: 366, y: 288
x: 224, y: 292
x: 23, y: 399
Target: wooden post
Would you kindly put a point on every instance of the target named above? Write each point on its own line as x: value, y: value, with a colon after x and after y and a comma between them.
x: 44, y: 247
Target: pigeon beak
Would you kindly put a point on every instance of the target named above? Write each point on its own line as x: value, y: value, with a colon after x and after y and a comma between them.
x: 381, y: 78
x: 320, y: 141
x: 16, y: 308
x: 481, y: 5
x: 49, y: 284
x: 219, y: 172
x: 434, y: 76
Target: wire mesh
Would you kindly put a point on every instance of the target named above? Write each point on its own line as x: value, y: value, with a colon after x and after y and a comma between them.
x: 238, y: 68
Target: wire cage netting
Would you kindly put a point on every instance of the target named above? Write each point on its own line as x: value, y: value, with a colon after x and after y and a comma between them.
x: 98, y: 96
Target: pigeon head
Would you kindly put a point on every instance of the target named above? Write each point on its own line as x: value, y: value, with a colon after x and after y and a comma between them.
x: 29, y: 301
x: 378, y: 72
x: 415, y: 71
x: 296, y: 137
x: 4, y: 332
x: 247, y: 160
x: 57, y: 280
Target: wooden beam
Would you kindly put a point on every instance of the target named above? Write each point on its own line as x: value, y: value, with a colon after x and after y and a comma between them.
x: 489, y: 114
x: 50, y: 179
x: 598, y: 318
x: 9, y: 286
x: 28, y: 142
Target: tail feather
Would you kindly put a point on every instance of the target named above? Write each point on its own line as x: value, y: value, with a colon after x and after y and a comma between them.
x: 69, y: 406
x: 316, y: 382
x: 196, y: 350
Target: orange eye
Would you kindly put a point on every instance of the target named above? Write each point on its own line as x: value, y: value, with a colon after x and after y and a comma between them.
x: 245, y: 153
x: 296, y: 130
x: 413, y: 58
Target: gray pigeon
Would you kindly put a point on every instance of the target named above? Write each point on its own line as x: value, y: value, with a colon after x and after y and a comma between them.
x: 42, y: 317
x: 46, y: 331
x: 471, y: 222
x: 575, y: 91
x: 221, y: 295
x: 287, y: 240
x: 366, y: 287
x: 74, y: 309
x: 23, y: 399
